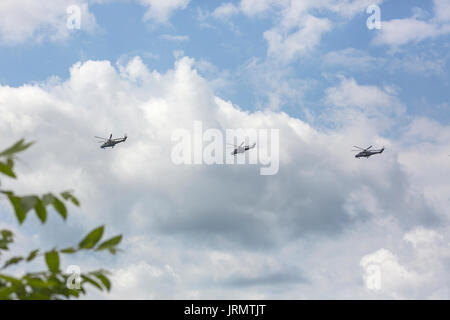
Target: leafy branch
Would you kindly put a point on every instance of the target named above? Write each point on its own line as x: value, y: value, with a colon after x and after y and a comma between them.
x: 52, y: 283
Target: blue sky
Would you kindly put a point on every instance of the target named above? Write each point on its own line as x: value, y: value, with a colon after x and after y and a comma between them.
x: 311, y: 69
x: 230, y: 43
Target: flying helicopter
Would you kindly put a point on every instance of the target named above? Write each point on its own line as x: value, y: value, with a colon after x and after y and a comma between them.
x: 241, y: 148
x: 110, y: 142
x: 366, y: 153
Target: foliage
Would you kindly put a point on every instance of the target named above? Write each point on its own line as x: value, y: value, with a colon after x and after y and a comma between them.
x: 52, y: 283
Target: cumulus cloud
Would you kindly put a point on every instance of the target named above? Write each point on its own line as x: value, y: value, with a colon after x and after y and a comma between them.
x: 287, y: 45
x: 392, y: 273
x: 253, y: 7
x: 159, y: 11
x: 225, y: 11
x: 42, y: 20
x: 416, y: 268
x: 371, y: 99
x: 399, y: 32
x: 283, y: 85
x: 219, y: 230
x: 442, y: 10
x: 39, y: 21
x: 297, y: 29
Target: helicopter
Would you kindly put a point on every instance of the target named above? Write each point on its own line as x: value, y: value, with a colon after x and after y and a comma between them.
x: 111, y: 142
x: 366, y: 152
x: 241, y: 148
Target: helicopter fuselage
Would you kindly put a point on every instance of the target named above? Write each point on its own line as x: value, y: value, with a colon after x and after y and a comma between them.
x: 367, y: 154
x: 111, y: 143
x: 242, y: 149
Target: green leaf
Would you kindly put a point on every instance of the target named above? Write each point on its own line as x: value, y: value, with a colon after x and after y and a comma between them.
x: 6, y: 234
x: 32, y: 255
x: 92, y: 238
x: 28, y: 202
x: 16, y: 148
x: 5, y: 169
x: 10, y: 163
x: 105, y: 281
x: 41, y: 212
x: 60, y: 207
x: 91, y: 281
x: 47, y: 199
x: 18, y: 210
x: 67, y: 195
x: 5, y: 293
x: 73, y: 293
x: 36, y: 282
x: 6, y: 239
x: 12, y: 261
x: 12, y: 280
x: 109, y: 243
x: 52, y: 260
x: 68, y: 250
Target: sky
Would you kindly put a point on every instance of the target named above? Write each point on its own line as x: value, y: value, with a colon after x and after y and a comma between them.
x: 312, y: 69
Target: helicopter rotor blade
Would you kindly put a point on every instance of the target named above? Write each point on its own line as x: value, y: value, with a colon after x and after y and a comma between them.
x: 358, y: 147
x: 100, y: 138
x: 369, y: 147
x: 241, y: 144
x: 110, y: 137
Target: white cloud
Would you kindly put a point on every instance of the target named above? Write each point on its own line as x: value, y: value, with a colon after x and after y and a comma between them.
x: 399, y: 32
x: 287, y: 45
x: 39, y: 21
x: 281, y: 87
x: 23, y: 20
x: 417, y: 273
x: 419, y: 64
x: 225, y: 11
x: 297, y: 29
x: 422, y: 236
x: 370, y: 99
x: 253, y: 7
x: 349, y: 8
x: 174, y: 37
x: 427, y: 163
x: 351, y: 58
x: 442, y: 10
x: 393, y: 275
x: 292, y: 9
x: 189, y: 231
x: 159, y: 11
